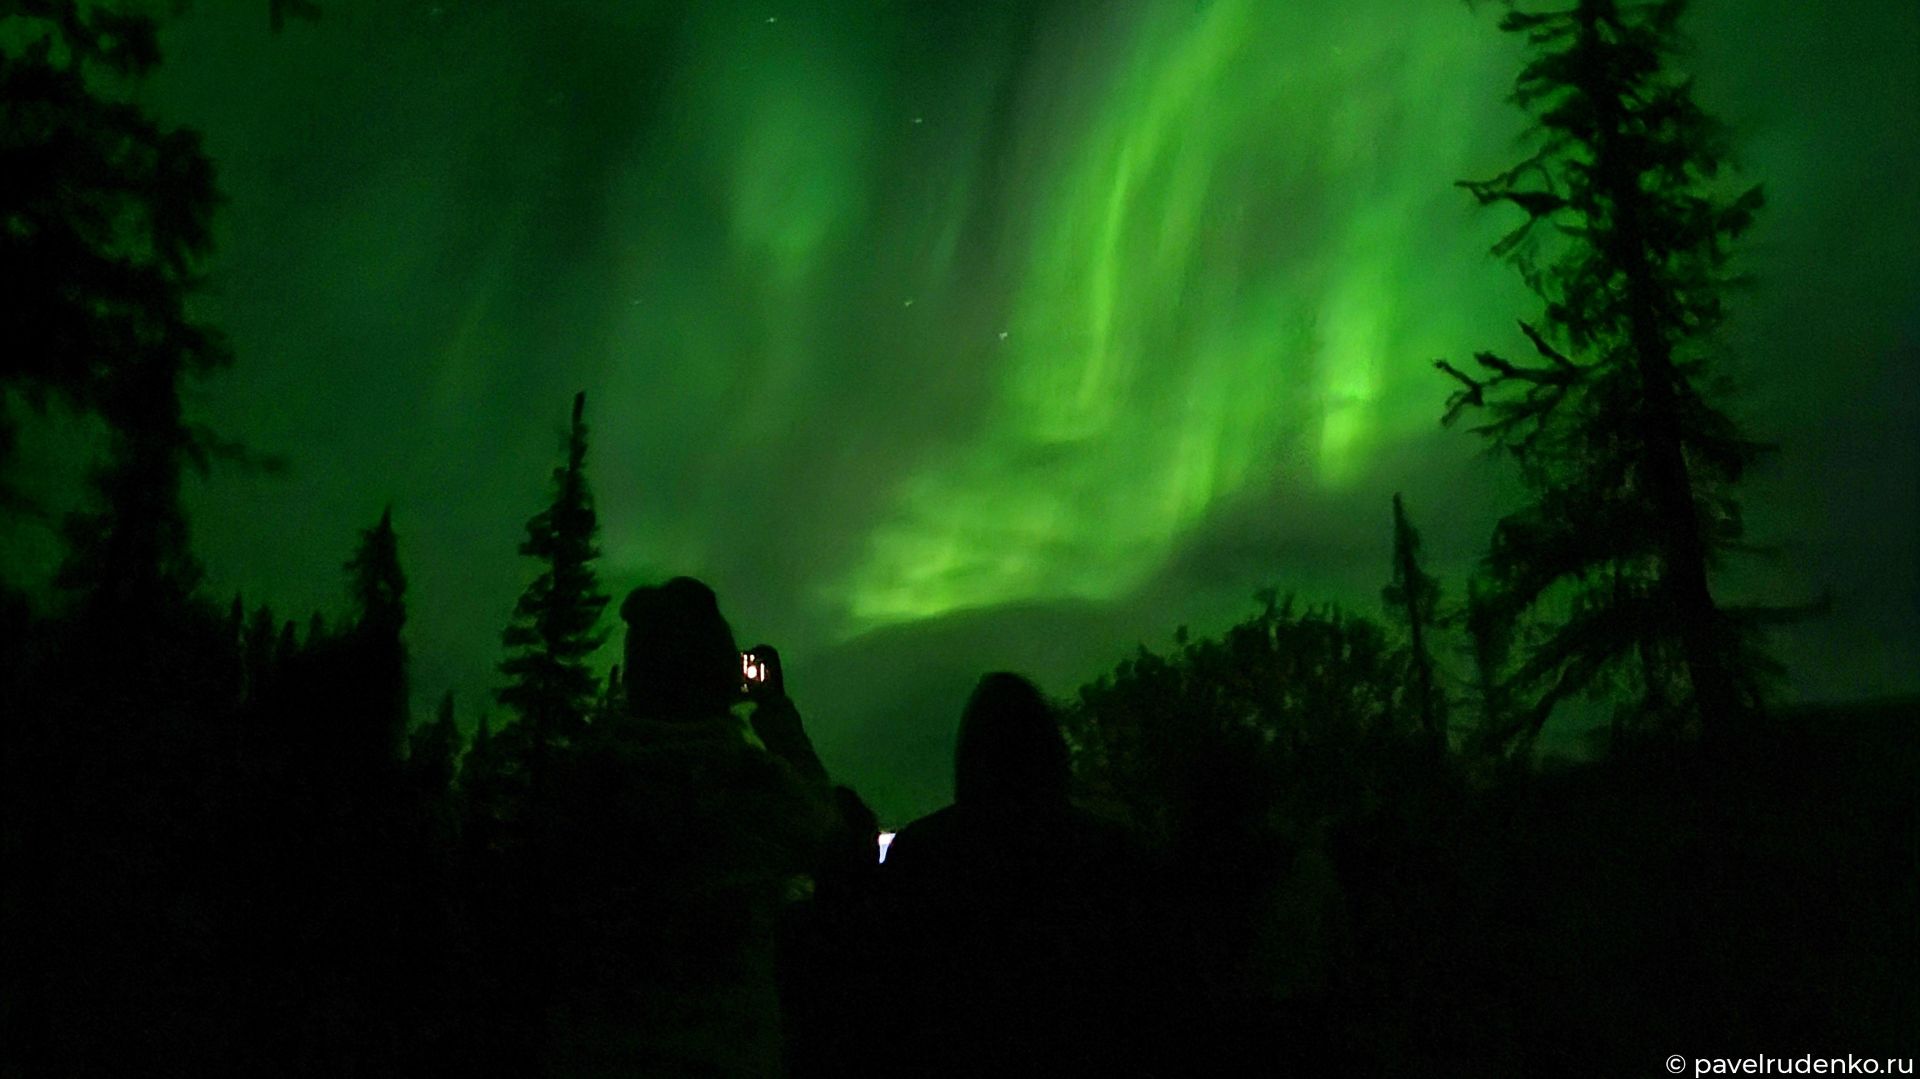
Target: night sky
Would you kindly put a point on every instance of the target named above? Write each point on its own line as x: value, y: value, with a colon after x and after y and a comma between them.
x: 941, y: 337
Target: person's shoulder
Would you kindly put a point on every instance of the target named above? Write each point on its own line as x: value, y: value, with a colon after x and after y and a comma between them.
x: 940, y: 822
x: 933, y: 832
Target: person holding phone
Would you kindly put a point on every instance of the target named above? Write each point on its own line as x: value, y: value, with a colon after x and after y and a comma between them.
x: 775, y: 720
x: 681, y: 834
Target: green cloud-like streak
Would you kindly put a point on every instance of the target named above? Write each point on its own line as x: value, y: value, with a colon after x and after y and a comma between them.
x: 1220, y: 275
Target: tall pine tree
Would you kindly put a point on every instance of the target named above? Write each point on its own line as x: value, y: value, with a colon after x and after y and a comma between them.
x: 433, y: 751
x: 481, y: 785
x: 1629, y: 462
x: 373, y: 649
x: 109, y: 222
x: 1489, y: 633
x: 1414, y: 596
x: 554, y: 630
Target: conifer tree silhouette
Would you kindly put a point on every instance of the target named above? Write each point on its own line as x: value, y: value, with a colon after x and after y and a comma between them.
x: 109, y: 223
x: 479, y: 781
x: 378, y: 588
x: 1489, y: 632
x: 433, y: 750
x: 554, y: 629
x: 1414, y: 596
x: 375, y: 653
x: 1629, y: 462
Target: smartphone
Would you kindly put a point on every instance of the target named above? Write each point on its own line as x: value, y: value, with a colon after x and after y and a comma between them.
x: 885, y: 841
x: 753, y: 671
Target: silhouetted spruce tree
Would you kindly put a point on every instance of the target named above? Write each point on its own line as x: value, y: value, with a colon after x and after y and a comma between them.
x: 433, y: 751
x: 138, y: 765
x: 1414, y: 596
x: 1489, y: 633
x: 1629, y: 461
x: 258, y: 649
x: 109, y: 219
x: 377, y: 586
x: 374, y: 653
x: 554, y: 627
x: 482, y: 783
x: 289, y: 645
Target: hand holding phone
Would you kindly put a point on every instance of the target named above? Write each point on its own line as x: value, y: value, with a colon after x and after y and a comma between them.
x: 760, y: 673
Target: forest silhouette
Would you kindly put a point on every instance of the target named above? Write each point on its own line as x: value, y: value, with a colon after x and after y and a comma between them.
x: 1300, y: 845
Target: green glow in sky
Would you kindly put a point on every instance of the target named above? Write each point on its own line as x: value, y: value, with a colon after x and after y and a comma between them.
x: 1220, y: 268
x: 779, y: 243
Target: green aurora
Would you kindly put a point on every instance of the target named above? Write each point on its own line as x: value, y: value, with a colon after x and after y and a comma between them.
x: 929, y: 333
x: 1166, y: 343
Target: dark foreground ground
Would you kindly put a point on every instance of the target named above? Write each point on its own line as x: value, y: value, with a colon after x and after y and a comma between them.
x: 1599, y: 918
x: 1589, y: 919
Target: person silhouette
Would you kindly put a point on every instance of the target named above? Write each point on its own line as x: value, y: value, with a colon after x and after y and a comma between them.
x: 828, y: 949
x: 684, y: 838
x: 775, y: 720
x: 680, y: 665
x: 1013, y: 915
